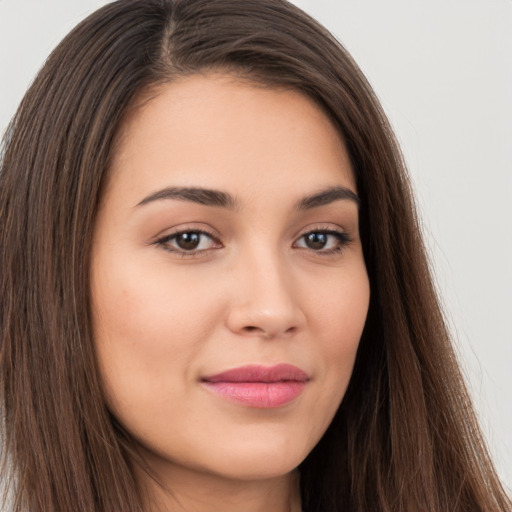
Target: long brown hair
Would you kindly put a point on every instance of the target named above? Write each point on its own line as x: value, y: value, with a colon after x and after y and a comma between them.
x: 405, y: 437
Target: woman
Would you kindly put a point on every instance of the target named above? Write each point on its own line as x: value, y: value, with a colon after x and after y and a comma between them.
x: 215, y: 295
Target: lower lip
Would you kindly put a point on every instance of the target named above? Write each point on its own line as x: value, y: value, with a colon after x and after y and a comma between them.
x: 265, y: 395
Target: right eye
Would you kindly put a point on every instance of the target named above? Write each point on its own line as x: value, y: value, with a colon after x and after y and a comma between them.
x: 188, y: 242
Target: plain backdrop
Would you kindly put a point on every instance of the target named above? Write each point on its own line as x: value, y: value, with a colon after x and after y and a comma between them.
x: 443, y: 71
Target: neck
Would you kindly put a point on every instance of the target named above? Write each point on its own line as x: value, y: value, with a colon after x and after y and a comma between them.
x: 185, y: 491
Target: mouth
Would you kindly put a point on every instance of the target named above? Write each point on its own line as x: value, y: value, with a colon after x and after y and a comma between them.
x: 264, y: 387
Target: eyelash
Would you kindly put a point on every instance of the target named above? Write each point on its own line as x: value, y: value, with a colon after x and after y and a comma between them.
x: 343, y: 240
x: 166, y: 240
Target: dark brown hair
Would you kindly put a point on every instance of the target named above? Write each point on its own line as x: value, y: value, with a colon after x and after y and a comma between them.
x: 405, y: 437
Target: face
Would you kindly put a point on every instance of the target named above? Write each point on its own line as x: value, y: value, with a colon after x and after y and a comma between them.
x: 229, y: 290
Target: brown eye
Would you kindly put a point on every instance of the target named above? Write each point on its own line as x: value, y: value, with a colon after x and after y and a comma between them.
x: 188, y: 241
x: 316, y: 241
x: 323, y: 242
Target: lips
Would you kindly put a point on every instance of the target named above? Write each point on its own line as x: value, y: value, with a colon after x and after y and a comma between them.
x: 258, y: 386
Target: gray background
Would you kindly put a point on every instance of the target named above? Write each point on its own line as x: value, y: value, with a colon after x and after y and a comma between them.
x: 443, y: 71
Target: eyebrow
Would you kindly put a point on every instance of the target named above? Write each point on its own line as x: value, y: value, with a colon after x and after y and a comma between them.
x: 327, y: 196
x: 209, y: 197
x: 198, y: 195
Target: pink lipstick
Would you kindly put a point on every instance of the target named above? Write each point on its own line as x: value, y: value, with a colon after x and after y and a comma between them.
x: 264, y: 387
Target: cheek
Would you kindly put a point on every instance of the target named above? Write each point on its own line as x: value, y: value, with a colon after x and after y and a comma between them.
x: 339, y: 321
x: 340, y: 313
x: 149, y: 326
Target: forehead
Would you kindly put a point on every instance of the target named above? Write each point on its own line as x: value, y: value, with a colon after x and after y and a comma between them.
x: 217, y: 130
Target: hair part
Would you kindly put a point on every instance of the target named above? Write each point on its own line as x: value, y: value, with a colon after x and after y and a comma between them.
x: 405, y: 437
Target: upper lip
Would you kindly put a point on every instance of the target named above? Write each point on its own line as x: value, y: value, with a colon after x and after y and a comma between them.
x: 258, y: 373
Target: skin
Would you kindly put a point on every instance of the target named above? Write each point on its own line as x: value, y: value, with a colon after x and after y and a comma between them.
x: 252, y: 292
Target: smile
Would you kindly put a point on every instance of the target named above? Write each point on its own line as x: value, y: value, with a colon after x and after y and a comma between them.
x: 257, y: 386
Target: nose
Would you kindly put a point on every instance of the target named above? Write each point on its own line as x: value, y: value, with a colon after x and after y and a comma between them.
x: 265, y: 299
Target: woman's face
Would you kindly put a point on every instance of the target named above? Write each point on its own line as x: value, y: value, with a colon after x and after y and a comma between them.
x: 229, y: 290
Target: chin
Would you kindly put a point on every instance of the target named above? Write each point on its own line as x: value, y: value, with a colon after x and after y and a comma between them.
x: 253, y: 456
x: 260, y: 459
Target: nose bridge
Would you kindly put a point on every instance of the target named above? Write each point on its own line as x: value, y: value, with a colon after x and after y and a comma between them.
x: 265, y: 302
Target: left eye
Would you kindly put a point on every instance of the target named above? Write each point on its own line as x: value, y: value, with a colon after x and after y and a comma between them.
x: 187, y: 241
x: 325, y: 241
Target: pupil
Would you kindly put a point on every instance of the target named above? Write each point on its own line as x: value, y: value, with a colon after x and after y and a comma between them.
x: 188, y: 241
x: 316, y: 240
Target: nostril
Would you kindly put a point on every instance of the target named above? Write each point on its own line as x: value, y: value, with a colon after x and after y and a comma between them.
x: 252, y: 329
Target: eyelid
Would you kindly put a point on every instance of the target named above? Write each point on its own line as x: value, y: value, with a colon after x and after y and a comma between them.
x: 162, y: 240
x: 322, y: 228
x: 344, y: 238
